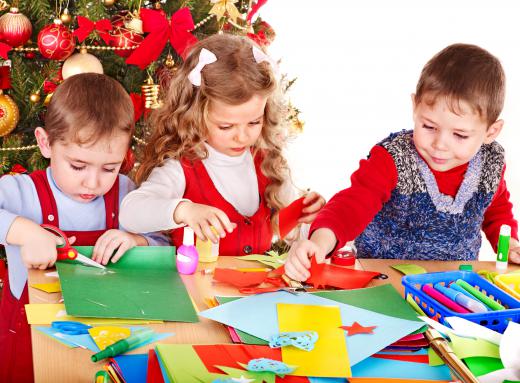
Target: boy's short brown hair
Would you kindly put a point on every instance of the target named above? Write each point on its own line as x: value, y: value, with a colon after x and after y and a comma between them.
x: 92, y: 103
x: 464, y: 72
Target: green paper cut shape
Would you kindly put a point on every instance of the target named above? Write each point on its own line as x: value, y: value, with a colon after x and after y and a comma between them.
x: 143, y: 284
x: 409, y: 269
x: 183, y: 364
x: 481, y: 365
x: 272, y: 259
x: 383, y: 299
x: 466, y: 348
x: 258, y: 376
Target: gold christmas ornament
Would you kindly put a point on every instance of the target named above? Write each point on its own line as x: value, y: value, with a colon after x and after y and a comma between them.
x: 169, y: 63
x: 109, y: 3
x: 81, y: 62
x: 9, y: 114
x: 150, y: 92
x: 66, y: 17
x: 134, y: 23
x: 222, y: 7
x: 34, y: 97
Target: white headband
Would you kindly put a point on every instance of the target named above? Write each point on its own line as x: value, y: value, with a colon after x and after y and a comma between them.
x: 205, y: 57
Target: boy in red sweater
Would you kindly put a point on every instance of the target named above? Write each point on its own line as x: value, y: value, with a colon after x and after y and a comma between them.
x: 427, y: 193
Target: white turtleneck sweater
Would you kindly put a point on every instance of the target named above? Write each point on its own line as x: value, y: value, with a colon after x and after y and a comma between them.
x: 151, y: 206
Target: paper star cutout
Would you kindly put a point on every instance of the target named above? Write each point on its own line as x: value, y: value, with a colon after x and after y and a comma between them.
x: 356, y: 328
x: 242, y: 379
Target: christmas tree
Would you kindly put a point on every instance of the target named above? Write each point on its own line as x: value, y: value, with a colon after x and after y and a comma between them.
x: 137, y: 42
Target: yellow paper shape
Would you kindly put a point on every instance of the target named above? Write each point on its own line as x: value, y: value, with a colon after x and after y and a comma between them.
x: 40, y: 313
x: 329, y: 358
x: 104, y: 336
x: 208, y: 251
x: 53, y: 287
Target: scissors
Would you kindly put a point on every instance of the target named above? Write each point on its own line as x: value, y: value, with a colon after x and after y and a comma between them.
x: 66, y: 251
x: 70, y: 327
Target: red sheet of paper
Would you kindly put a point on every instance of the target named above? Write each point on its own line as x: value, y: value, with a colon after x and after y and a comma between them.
x: 239, y: 278
x: 411, y: 343
x: 404, y: 358
x: 323, y: 275
x: 230, y: 354
x: 288, y: 217
x: 153, y: 374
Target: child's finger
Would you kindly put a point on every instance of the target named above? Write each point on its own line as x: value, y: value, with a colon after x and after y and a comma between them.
x: 225, y: 221
x: 120, y: 252
x: 208, y: 233
x: 217, y: 225
x: 72, y: 239
x: 514, y: 257
x: 297, y: 271
x: 309, y: 197
x: 113, y: 244
x: 198, y: 232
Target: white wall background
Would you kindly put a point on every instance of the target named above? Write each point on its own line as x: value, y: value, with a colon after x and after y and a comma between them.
x: 357, y: 62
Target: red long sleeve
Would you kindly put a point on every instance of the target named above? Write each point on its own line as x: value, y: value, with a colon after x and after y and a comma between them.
x: 351, y: 210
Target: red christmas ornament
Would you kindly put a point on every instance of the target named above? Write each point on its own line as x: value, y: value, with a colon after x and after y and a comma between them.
x: 30, y: 55
x: 122, y: 37
x: 15, y: 28
x: 128, y: 162
x: 55, y: 41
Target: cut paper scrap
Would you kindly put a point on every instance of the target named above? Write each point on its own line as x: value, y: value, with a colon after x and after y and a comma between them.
x: 384, y: 368
x: 270, y: 365
x: 509, y: 355
x: 53, y: 287
x: 480, y: 365
x: 241, y: 315
x: 404, y: 358
x: 198, y: 363
x: 239, y: 278
x: 236, y: 375
x: 144, y: 284
x: 272, y: 259
x: 329, y: 357
x: 104, y: 336
x: 323, y: 275
x: 46, y: 313
x: 464, y: 327
x: 409, y: 269
x: 153, y: 371
x: 288, y: 217
x: 356, y: 328
x: 304, y: 340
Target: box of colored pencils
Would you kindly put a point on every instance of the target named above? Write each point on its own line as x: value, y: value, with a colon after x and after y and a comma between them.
x: 465, y: 294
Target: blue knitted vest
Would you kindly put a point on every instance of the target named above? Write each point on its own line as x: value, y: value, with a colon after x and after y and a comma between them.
x: 418, y: 222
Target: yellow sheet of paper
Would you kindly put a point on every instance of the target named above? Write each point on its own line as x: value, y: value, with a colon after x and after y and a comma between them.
x: 329, y: 358
x: 39, y: 313
x: 104, y: 336
x: 53, y: 287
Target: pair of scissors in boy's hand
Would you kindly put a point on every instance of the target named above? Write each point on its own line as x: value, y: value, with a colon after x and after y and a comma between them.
x: 66, y: 251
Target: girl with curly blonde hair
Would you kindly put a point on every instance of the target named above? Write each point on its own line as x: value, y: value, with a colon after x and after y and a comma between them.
x: 215, y: 157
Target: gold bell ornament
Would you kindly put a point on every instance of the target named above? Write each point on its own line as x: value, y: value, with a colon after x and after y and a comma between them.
x: 9, y: 114
x: 109, y: 3
x: 150, y: 92
x: 34, y: 97
x: 66, y: 17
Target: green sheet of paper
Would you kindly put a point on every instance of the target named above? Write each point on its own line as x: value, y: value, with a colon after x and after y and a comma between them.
x: 466, y: 348
x: 143, y: 284
x: 481, y: 365
x: 408, y: 269
x: 382, y: 299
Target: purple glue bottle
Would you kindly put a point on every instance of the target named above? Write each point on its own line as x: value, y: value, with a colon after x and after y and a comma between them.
x: 187, y: 255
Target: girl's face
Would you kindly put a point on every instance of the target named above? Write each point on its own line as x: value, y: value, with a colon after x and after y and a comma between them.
x: 233, y: 129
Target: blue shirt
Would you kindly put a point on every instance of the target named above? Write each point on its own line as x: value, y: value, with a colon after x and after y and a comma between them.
x: 18, y: 197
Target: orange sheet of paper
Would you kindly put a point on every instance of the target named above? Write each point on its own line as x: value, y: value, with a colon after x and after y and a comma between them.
x: 329, y: 358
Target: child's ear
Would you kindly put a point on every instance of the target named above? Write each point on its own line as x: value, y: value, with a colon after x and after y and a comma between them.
x: 412, y: 96
x: 493, y: 131
x: 42, y: 139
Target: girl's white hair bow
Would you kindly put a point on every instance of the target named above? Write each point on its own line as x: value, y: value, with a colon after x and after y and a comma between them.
x: 205, y: 57
x: 260, y: 56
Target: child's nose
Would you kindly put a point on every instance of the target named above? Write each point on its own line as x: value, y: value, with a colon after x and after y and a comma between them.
x: 91, y: 181
x: 241, y: 135
x: 439, y: 142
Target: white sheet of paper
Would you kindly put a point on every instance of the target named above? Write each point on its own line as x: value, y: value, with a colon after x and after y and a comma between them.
x: 464, y: 327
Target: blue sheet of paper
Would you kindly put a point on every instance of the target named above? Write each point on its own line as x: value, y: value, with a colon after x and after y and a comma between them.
x: 397, y: 369
x: 133, y: 367
x: 257, y: 316
x: 85, y: 340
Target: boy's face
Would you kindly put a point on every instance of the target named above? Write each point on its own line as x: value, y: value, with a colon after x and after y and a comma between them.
x: 84, y: 172
x: 446, y: 139
x: 233, y: 129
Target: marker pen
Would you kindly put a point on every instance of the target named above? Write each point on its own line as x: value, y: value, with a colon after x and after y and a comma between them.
x: 123, y: 345
x: 503, y: 247
x: 470, y: 303
x: 493, y: 305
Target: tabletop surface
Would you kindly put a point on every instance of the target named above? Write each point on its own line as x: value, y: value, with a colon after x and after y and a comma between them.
x: 54, y: 362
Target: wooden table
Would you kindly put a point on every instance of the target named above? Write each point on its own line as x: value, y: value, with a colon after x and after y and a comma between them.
x: 54, y: 362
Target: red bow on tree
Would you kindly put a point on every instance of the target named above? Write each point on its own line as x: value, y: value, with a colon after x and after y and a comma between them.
x: 4, y: 50
x: 160, y: 30
x: 86, y: 27
x: 5, y: 77
x: 255, y: 9
x: 138, y: 103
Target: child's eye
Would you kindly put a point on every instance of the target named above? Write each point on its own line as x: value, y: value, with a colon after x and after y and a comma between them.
x: 428, y: 127
x: 110, y: 170
x: 225, y: 127
x: 77, y: 168
x: 258, y: 122
x: 460, y: 136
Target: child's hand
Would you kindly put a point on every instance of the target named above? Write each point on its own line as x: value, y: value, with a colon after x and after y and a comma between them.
x: 514, y: 251
x: 313, y: 203
x: 298, y: 261
x: 40, y: 251
x: 201, y: 217
x: 110, y: 241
